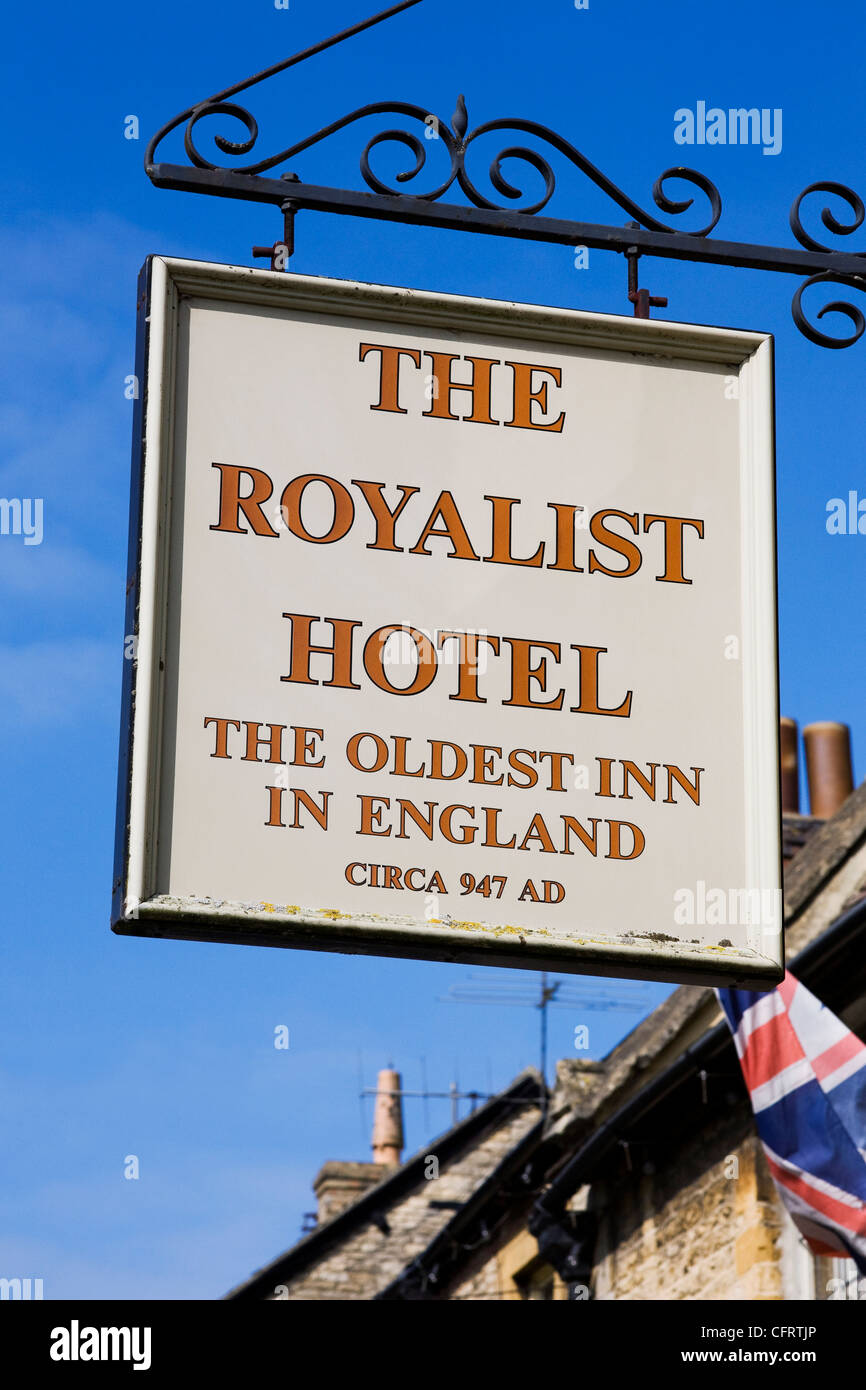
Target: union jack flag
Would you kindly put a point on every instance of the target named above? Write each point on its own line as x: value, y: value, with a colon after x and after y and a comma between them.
x: 806, y: 1074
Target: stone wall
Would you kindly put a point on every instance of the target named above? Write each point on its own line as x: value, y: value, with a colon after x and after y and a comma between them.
x: 338, y: 1184
x: 699, y: 1222
x: 705, y: 1223
x: 506, y: 1271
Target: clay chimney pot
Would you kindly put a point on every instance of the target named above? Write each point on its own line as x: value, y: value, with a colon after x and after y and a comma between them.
x: 828, y: 767
x: 388, y: 1118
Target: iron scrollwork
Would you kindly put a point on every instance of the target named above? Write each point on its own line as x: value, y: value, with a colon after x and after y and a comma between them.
x: 645, y: 234
x: 456, y: 142
x: 833, y: 224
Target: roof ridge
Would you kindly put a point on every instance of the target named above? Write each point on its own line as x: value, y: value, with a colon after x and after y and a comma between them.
x: 826, y: 849
x: 321, y: 1239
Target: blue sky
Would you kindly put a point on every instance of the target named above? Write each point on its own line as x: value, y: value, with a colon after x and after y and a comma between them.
x: 164, y: 1050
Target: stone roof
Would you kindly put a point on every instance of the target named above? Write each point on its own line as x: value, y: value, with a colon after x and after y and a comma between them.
x: 374, y: 1241
x: 375, y: 1247
x: 796, y: 830
x: 824, y: 878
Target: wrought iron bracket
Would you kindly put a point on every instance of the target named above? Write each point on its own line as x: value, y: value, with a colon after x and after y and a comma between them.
x: 646, y: 234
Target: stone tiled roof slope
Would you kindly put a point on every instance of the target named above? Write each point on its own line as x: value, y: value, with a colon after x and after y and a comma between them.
x: 796, y: 830
x: 369, y: 1247
x: 370, y: 1244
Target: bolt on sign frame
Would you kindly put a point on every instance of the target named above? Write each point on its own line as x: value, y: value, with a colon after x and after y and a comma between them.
x: 455, y: 631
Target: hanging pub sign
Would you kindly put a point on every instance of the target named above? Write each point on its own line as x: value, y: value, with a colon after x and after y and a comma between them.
x: 451, y: 631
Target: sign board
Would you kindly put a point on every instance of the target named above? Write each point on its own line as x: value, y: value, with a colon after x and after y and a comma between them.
x: 452, y: 631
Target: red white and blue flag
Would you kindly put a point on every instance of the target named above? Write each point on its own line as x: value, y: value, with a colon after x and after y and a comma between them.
x: 806, y: 1074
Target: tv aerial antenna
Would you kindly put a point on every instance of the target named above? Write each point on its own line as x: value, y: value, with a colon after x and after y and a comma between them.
x: 615, y: 997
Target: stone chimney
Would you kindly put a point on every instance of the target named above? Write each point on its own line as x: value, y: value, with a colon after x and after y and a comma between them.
x: 388, y: 1119
x: 338, y: 1184
x: 828, y: 767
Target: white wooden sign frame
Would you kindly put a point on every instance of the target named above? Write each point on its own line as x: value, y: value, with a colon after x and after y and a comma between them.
x: 142, y: 907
